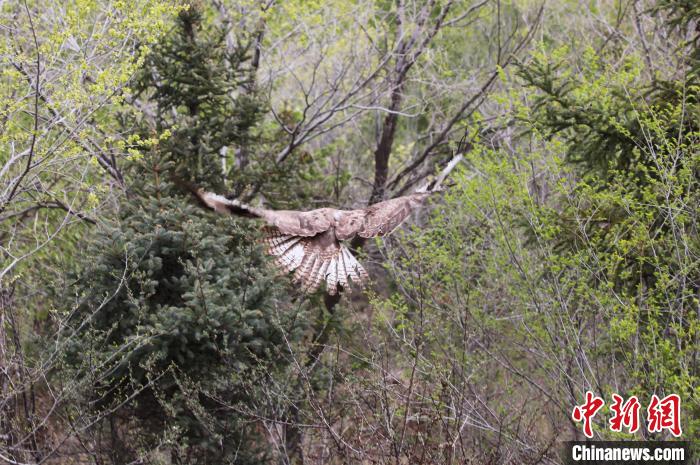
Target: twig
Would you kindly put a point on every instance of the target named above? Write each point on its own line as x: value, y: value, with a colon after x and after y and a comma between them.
x: 35, y: 129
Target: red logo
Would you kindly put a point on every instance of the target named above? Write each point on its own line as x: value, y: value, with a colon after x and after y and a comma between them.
x: 626, y: 414
x: 587, y: 411
x: 664, y: 414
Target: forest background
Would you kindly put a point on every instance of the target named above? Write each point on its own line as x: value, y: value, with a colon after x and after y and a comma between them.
x: 563, y: 257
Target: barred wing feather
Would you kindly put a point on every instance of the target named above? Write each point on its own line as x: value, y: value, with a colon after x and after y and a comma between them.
x: 383, y: 218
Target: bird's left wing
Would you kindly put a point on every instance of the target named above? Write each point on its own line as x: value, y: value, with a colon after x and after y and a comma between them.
x: 383, y: 218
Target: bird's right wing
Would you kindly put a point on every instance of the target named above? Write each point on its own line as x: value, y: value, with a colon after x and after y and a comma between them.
x: 291, y: 222
x: 221, y: 204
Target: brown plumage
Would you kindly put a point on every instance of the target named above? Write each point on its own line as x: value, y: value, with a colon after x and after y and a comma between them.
x: 308, y: 243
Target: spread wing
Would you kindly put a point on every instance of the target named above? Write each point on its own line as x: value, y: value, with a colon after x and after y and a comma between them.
x: 301, y: 242
x: 307, y: 243
x: 379, y: 219
x: 287, y: 221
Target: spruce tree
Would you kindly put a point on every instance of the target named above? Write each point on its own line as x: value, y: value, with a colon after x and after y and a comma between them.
x: 181, y: 319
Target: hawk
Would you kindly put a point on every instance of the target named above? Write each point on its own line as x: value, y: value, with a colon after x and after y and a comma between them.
x: 310, y: 243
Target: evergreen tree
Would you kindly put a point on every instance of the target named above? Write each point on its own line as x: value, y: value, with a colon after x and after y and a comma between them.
x: 634, y: 140
x: 203, y: 93
x: 183, y: 320
x: 203, y: 97
x: 600, y: 107
x: 622, y: 127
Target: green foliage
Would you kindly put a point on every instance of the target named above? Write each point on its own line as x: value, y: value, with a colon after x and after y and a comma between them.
x: 201, y: 95
x: 607, y: 109
x: 570, y: 262
x: 182, y: 312
x: 634, y: 221
x: 562, y: 258
x: 551, y: 295
x: 88, y: 53
x: 683, y: 15
x: 181, y: 321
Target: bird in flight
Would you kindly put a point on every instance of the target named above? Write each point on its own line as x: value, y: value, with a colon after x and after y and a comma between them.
x: 310, y: 243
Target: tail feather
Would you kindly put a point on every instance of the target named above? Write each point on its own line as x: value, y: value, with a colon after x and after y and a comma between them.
x: 305, y: 267
x: 349, y: 264
x: 288, y: 250
x: 342, y: 271
x: 313, y: 264
x: 311, y: 278
x: 320, y: 274
x: 277, y: 243
x: 332, y: 275
x: 356, y: 272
